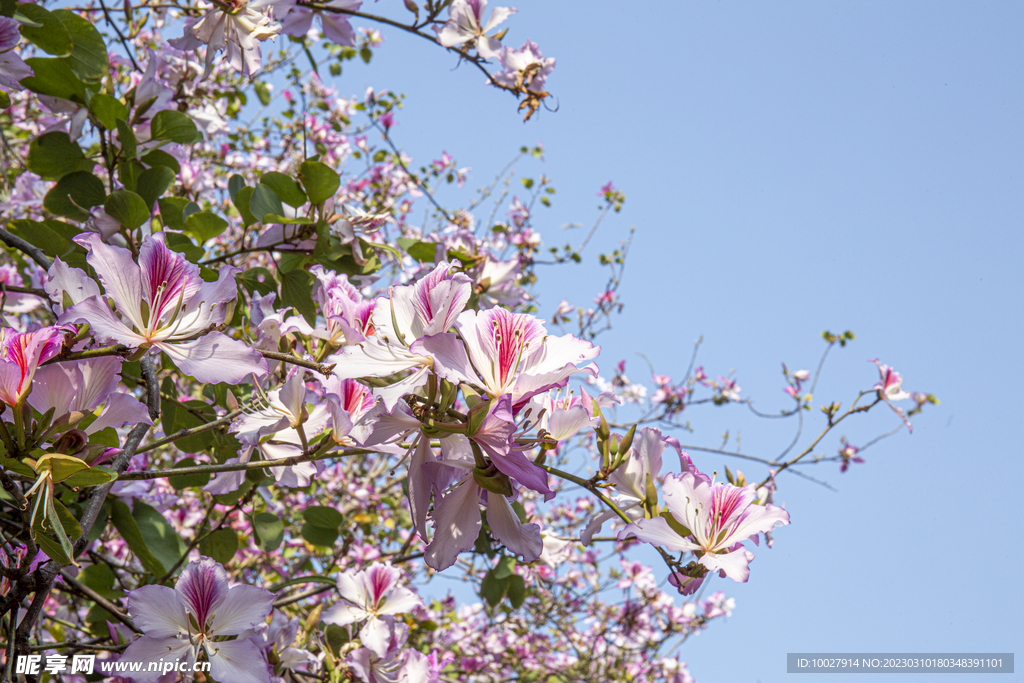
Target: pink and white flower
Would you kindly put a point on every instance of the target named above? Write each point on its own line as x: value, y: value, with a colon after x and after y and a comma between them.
x: 193, y: 616
x: 466, y: 23
x: 237, y: 32
x: 527, y: 64
x: 370, y: 595
x: 164, y: 303
x: 719, y: 517
x: 335, y: 26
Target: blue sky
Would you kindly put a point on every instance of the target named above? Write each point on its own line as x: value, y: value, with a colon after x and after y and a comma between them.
x: 793, y: 167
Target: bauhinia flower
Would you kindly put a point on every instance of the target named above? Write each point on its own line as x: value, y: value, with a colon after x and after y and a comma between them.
x: 428, y: 307
x: 192, y: 617
x: 20, y: 356
x: 335, y: 26
x: 525, y: 68
x: 466, y: 23
x: 717, y: 518
x: 890, y: 388
x: 237, y: 32
x: 509, y: 353
x: 164, y: 303
x: 81, y: 386
x: 370, y: 595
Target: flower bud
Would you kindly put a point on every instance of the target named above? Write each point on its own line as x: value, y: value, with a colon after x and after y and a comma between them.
x: 491, y: 479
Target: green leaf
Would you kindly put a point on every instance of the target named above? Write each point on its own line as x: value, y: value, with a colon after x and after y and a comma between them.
x: 336, y: 637
x: 129, y: 530
x: 158, y: 157
x: 53, y: 155
x: 100, y: 578
x: 53, y: 549
x: 61, y: 466
x: 53, y: 237
x: 506, y: 567
x: 297, y: 291
x: 108, y: 110
x: 89, y: 56
x: 127, y: 208
x: 262, y: 92
x: 5, y: 100
x: 170, y: 211
x: 269, y: 531
x: 51, y: 36
x: 94, y: 476
x: 263, y: 201
x: 171, y: 124
x: 492, y: 589
x: 516, y: 591
x: 241, y: 201
x: 74, y: 195
x: 161, y: 538
x: 67, y: 520
x: 284, y: 220
x: 235, y: 183
x: 17, y: 466
x: 323, y: 516
x: 318, y: 535
x: 424, y: 252
x: 183, y: 244
x: 128, y: 173
x: 205, y: 225
x: 153, y: 182
x: 258, y: 280
x: 285, y: 188
x: 54, y: 77
x: 129, y: 145
x: 221, y: 545
x: 184, y: 481
x: 320, y: 180
x: 176, y: 416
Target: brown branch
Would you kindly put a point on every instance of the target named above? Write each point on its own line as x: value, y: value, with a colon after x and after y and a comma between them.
x: 322, y: 368
x: 30, y: 250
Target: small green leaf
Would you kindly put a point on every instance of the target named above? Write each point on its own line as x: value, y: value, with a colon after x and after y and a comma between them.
x: 205, y: 225
x: 262, y: 92
x: 128, y: 173
x: 89, y: 56
x: 54, y: 77
x: 221, y: 545
x: 269, y: 531
x: 492, y: 589
x: 263, y: 201
x: 184, y: 481
x: 241, y: 201
x: 126, y: 136
x: 108, y: 110
x: 320, y: 180
x: 158, y: 157
x: 161, y: 538
x: 171, y: 124
x: 53, y: 155
x: 318, y: 535
x: 285, y: 188
x: 235, y: 183
x: 67, y: 520
x: 170, y: 211
x: 94, y: 476
x: 506, y: 567
x: 258, y: 280
x: 129, y: 530
x: 153, y: 182
x: 74, y: 195
x: 323, y: 516
x: 297, y: 292
x: 516, y: 591
x: 127, y: 208
x: 50, y: 36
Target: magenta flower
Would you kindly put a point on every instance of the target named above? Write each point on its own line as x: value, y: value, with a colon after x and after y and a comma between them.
x: 180, y: 622
x: 371, y: 594
x: 719, y: 518
x: 336, y: 27
x: 164, y: 303
x: 20, y: 356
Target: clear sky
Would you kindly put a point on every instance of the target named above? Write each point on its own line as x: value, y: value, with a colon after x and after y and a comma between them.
x: 792, y: 167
